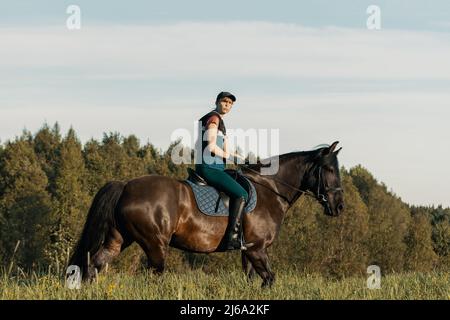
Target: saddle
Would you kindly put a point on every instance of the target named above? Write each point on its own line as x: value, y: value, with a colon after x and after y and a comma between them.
x: 212, y: 202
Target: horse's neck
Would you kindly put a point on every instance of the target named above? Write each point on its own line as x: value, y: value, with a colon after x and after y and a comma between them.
x: 292, y: 172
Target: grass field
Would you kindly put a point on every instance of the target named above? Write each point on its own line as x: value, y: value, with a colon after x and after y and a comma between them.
x: 225, y: 284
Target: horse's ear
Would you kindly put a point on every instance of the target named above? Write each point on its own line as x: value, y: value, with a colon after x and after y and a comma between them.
x: 332, y: 147
x: 326, y: 151
x: 329, y: 150
x: 336, y: 152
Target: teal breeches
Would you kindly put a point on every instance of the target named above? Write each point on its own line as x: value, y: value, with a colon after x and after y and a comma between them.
x: 222, y: 181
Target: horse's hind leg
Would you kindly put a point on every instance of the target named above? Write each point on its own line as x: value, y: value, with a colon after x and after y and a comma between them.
x: 247, y: 267
x: 156, y: 255
x: 260, y: 261
x: 111, y: 248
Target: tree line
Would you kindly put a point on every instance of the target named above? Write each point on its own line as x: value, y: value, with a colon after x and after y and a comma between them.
x: 48, y: 180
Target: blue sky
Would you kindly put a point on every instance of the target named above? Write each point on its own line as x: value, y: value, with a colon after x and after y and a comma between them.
x: 405, y: 14
x: 308, y: 68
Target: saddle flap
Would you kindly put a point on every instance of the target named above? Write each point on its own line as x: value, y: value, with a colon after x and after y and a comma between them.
x: 195, y: 177
x: 225, y: 200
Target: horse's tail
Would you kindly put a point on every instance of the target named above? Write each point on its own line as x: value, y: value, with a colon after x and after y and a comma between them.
x: 99, y: 221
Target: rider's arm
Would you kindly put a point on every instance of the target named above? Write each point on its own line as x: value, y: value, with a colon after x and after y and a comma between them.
x: 212, y: 128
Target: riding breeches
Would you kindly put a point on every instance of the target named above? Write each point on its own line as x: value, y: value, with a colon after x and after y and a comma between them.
x: 222, y: 181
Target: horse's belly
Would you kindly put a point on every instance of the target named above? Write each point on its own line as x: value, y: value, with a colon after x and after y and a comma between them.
x: 199, y: 237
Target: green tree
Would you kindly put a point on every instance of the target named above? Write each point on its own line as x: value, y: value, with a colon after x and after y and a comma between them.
x: 46, y: 146
x: 441, y: 242
x: 71, y: 200
x: 419, y: 254
x: 25, y: 204
x: 389, y: 220
x: 131, y: 145
x: 97, y: 171
x: 342, y: 238
x: 178, y: 171
x: 120, y: 156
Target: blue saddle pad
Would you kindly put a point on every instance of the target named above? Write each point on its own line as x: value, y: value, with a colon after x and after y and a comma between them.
x: 207, y: 196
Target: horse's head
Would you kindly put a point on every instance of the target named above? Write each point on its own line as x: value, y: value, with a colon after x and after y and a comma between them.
x: 325, y: 181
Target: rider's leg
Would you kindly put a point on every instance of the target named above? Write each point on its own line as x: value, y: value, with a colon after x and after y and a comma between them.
x: 236, y: 209
x: 238, y: 197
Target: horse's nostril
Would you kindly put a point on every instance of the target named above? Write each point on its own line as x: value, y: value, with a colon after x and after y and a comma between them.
x: 340, y: 207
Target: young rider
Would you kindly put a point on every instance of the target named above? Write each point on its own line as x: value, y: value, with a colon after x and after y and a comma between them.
x: 215, y: 152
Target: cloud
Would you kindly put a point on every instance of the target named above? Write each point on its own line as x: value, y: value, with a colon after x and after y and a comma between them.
x: 233, y: 49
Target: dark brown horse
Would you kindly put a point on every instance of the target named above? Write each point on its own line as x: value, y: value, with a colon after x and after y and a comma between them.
x: 158, y: 211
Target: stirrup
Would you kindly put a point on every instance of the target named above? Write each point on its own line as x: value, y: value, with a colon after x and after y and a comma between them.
x: 239, y: 244
x: 246, y: 245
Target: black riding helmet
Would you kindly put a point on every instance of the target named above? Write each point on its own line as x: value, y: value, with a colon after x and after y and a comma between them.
x: 224, y: 94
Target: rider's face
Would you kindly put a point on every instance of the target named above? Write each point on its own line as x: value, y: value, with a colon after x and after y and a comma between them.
x: 224, y: 105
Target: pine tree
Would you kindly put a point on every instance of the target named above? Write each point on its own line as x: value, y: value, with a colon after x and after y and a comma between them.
x: 46, y: 146
x: 131, y: 145
x: 133, y: 165
x: 25, y: 203
x: 71, y: 198
x: 149, y: 156
x: 118, y: 163
x: 97, y: 171
x: 441, y: 242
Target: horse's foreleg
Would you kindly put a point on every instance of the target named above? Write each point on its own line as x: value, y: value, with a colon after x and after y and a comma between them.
x: 260, y: 261
x: 247, y: 267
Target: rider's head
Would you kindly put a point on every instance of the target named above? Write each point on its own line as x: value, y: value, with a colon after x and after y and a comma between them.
x: 224, y: 102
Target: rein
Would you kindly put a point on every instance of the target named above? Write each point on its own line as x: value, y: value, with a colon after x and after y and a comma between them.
x: 319, y: 196
x: 307, y: 192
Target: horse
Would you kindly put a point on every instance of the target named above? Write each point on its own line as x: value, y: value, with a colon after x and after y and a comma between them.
x: 158, y: 211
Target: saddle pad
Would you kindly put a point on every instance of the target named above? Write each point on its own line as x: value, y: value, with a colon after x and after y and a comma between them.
x: 207, y: 196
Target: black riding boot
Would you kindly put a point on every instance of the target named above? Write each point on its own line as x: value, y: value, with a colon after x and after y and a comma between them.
x: 236, y: 209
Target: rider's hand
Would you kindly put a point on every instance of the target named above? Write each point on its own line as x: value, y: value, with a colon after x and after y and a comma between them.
x: 240, y: 158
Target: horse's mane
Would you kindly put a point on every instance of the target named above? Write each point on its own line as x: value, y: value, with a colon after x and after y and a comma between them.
x: 321, y: 146
x: 288, y: 156
x: 282, y: 158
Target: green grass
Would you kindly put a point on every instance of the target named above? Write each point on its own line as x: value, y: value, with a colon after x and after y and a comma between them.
x: 227, y: 284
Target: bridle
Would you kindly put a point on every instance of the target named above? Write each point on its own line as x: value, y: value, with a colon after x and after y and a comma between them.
x: 322, y: 198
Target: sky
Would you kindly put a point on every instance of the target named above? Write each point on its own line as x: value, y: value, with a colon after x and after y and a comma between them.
x: 310, y: 69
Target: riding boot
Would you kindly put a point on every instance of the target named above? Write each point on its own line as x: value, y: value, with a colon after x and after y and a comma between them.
x: 232, y: 233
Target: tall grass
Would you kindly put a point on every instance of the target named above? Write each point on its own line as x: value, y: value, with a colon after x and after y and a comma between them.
x: 223, y: 284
